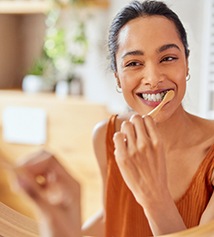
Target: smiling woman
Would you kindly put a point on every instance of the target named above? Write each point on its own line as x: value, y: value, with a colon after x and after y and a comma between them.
x: 144, y: 70
x: 157, y: 172
x: 144, y: 194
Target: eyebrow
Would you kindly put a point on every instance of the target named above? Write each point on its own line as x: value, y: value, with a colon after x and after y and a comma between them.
x: 161, y: 49
x: 134, y: 52
x: 167, y: 46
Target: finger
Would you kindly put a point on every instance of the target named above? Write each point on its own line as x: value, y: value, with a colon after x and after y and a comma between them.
x: 31, y: 188
x: 37, y: 167
x: 128, y: 129
x: 126, y: 166
x: 151, y: 129
x: 119, y: 140
x: 36, y: 162
x: 44, y: 169
x: 41, y: 164
x: 140, y: 128
x: 53, y: 195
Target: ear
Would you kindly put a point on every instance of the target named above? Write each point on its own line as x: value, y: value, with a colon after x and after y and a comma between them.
x: 187, y: 72
x: 187, y: 68
x: 117, y: 79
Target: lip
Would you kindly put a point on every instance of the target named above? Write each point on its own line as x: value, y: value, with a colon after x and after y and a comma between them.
x: 152, y: 104
x: 153, y: 92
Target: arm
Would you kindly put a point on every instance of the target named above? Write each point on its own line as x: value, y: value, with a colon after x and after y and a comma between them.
x: 141, y: 160
x: 95, y: 226
x: 208, y: 214
x: 55, y: 193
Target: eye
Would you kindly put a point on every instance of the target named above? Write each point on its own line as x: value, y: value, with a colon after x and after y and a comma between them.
x: 133, y: 64
x: 168, y: 59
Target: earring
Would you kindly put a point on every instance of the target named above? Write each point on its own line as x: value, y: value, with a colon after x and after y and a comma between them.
x: 118, y: 89
x: 188, y: 77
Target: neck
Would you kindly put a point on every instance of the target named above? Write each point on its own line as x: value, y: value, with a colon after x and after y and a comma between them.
x: 174, y: 130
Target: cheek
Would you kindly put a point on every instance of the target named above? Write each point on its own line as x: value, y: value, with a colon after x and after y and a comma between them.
x: 129, y: 80
x: 183, y: 90
x: 126, y: 83
x: 180, y: 82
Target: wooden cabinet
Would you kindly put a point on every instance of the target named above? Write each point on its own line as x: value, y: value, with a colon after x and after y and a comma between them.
x: 21, y: 41
x: 22, y: 30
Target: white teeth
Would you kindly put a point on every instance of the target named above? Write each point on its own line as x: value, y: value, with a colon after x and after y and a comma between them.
x: 153, y: 97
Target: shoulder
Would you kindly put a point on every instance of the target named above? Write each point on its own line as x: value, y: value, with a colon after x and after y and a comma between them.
x: 206, y: 137
x: 206, y: 127
x: 208, y: 122
x: 100, y: 129
x: 120, y: 119
x: 99, y: 143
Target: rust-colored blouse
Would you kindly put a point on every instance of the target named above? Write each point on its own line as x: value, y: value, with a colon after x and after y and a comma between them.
x: 125, y: 217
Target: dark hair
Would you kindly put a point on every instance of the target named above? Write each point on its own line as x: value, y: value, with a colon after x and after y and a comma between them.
x: 137, y: 9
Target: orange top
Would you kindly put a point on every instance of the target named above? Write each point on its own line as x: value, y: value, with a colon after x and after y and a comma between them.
x: 125, y: 217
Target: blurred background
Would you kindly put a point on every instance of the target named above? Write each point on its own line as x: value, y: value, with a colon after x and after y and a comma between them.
x: 72, y: 35
x: 56, y: 84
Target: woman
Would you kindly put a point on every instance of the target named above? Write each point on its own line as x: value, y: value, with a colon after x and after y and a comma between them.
x: 160, y: 179
x: 157, y: 172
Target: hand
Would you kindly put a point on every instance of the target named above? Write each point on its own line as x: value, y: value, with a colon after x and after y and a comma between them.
x: 55, y: 193
x: 140, y: 157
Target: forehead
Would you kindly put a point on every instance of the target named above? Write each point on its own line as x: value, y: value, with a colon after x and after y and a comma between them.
x: 148, y: 31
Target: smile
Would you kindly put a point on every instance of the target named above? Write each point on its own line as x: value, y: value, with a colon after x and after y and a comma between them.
x: 156, y: 97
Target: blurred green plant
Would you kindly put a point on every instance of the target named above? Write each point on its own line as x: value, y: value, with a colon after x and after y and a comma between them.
x: 62, y: 50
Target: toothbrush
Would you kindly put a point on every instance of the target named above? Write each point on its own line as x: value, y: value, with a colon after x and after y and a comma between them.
x: 169, y: 96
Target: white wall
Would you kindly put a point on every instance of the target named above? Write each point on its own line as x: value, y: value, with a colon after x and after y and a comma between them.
x: 191, y: 13
x: 99, y: 81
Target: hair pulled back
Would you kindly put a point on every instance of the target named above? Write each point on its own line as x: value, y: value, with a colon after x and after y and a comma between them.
x: 137, y: 9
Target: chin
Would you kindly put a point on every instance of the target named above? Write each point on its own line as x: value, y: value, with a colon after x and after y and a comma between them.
x: 162, y: 117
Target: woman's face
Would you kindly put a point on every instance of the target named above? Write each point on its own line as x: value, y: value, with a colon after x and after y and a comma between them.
x: 151, y: 60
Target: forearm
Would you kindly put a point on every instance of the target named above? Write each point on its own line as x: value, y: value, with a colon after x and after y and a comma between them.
x: 65, y: 222
x: 164, y: 217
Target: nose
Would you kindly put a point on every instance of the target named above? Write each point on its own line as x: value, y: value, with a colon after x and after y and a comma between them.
x: 152, y: 76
